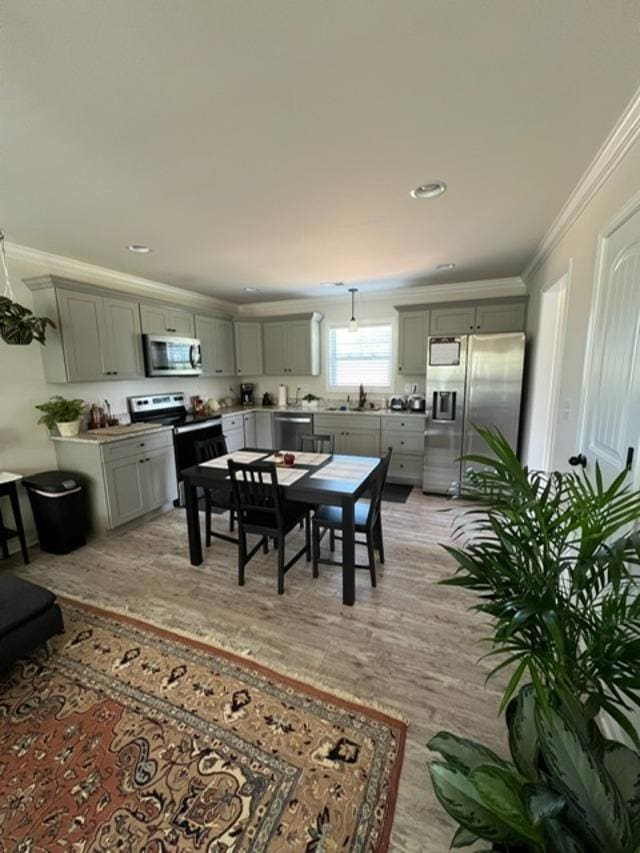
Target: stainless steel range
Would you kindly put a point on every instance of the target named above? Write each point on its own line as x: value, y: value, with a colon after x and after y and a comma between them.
x: 171, y: 409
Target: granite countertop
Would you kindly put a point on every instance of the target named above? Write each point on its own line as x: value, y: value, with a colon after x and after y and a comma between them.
x: 321, y: 410
x: 106, y: 437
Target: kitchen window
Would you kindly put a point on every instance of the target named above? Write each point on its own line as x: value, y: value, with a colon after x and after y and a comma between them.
x: 362, y: 357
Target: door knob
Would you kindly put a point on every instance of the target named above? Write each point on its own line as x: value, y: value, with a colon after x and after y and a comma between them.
x: 580, y: 459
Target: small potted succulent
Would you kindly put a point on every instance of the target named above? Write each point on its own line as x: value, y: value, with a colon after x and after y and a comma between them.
x: 62, y: 414
x: 310, y: 401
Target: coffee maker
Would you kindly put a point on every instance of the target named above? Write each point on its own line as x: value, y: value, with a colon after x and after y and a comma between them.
x: 246, y: 393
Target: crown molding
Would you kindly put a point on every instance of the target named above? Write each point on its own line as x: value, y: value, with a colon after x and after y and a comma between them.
x: 624, y: 135
x: 122, y: 282
x: 496, y: 288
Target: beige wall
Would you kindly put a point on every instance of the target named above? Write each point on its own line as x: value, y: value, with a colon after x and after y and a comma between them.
x: 577, y: 251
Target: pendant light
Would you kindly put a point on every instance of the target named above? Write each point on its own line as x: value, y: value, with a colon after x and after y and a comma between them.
x: 353, y: 323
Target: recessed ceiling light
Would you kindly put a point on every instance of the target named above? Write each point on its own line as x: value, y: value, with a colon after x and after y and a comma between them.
x: 252, y: 290
x: 430, y: 190
x: 442, y: 267
x: 139, y: 248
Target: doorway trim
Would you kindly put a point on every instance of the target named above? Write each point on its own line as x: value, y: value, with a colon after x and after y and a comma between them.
x: 563, y: 284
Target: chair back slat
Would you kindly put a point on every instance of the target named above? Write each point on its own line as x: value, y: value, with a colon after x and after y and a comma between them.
x: 317, y: 442
x: 210, y: 448
x: 256, y: 490
x: 378, y: 487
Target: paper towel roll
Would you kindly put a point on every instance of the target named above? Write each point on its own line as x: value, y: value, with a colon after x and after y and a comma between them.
x: 282, y: 395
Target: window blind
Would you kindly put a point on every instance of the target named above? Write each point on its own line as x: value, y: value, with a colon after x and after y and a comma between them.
x: 362, y: 357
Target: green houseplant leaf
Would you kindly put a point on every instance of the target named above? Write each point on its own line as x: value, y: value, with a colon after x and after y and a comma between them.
x: 462, y: 753
x: 500, y: 790
x: 60, y: 410
x: 523, y: 733
x: 623, y: 765
x: 599, y: 812
x: 461, y: 799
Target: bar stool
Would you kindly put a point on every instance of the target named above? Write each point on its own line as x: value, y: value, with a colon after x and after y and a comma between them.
x: 8, y: 487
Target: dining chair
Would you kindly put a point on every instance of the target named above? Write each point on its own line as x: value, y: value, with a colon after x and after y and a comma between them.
x: 220, y: 498
x: 263, y: 511
x: 368, y: 521
x: 315, y: 442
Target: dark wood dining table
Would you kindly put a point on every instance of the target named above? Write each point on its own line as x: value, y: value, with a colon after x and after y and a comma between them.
x: 314, y: 490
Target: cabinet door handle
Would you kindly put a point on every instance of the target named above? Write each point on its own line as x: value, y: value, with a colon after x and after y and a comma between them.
x: 400, y: 369
x: 471, y: 327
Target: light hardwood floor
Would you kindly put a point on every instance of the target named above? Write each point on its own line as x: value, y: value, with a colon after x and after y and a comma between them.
x: 409, y: 645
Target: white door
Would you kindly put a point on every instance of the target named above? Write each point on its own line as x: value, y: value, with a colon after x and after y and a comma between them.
x: 611, y: 418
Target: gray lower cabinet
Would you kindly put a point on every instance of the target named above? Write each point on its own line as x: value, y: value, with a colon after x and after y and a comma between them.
x: 413, y: 330
x: 248, y: 347
x: 233, y: 431
x: 217, y: 347
x: 291, y: 345
x: 250, y: 433
x: 404, y: 434
x: 125, y: 479
x: 358, y: 435
x: 264, y: 430
x: 125, y: 489
x: 163, y: 320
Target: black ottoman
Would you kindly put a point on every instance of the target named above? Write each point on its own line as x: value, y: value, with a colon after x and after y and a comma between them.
x: 29, y: 616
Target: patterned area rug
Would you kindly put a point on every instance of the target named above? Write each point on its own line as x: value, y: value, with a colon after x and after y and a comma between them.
x: 130, y: 738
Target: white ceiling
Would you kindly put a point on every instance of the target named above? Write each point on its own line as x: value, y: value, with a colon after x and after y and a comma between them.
x: 275, y: 143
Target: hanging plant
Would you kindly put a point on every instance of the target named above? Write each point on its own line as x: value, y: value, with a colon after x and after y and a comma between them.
x: 18, y: 325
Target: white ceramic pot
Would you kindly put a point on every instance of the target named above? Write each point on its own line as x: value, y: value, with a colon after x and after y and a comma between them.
x: 68, y: 428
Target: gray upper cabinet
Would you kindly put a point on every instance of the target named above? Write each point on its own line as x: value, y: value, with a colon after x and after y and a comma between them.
x: 300, y: 348
x: 100, y: 337
x: 84, y: 335
x: 453, y: 320
x: 292, y: 345
x: 501, y: 317
x: 122, y: 322
x: 248, y: 346
x: 225, y: 353
x: 165, y: 320
x: 504, y: 316
x: 413, y: 327
x: 276, y: 349
x: 216, y: 341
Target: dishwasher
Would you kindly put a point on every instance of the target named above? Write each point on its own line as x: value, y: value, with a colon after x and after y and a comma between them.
x: 287, y: 430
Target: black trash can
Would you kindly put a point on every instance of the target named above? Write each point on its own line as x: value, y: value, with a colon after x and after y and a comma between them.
x: 58, y: 503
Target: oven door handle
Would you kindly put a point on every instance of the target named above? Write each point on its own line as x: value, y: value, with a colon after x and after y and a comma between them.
x: 206, y: 424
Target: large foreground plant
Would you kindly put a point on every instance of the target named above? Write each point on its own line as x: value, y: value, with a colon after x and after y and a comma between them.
x: 566, y: 790
x: 552, y: 558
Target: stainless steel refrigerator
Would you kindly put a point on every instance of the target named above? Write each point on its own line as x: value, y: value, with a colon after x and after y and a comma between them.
x: 471, y: 379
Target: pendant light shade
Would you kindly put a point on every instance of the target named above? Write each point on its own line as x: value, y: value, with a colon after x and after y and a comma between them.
x: 353, y: 323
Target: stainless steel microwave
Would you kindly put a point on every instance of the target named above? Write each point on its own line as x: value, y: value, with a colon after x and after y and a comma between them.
x: 168, y: 355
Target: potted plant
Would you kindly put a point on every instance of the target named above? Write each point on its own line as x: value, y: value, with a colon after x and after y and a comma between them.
x: 61, y: 413
x: 310, y: 401
x: 552, y: 560
x: 18, y: 325
x: 567, y: 788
